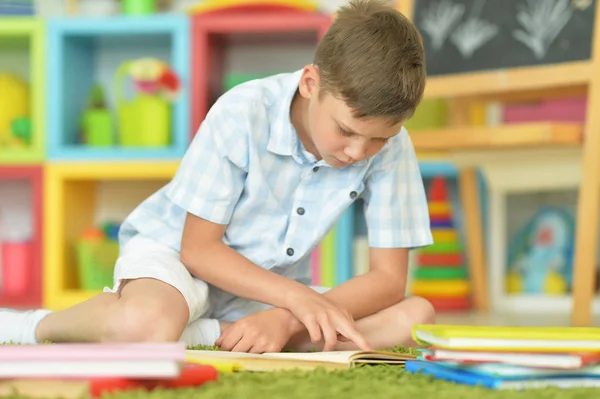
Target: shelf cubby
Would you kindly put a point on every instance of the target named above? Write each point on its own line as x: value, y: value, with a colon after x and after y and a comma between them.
x: 84, y: 196
x: 218, y: 36
x: 21, y: 236
x: 89, y: 51
x: 22, y: 90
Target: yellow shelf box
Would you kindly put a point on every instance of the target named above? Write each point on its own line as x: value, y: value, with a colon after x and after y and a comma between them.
x: 82, y: 196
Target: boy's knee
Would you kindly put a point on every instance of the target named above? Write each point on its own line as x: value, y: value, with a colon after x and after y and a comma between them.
x: 420, y: 310
x: 150, y: 320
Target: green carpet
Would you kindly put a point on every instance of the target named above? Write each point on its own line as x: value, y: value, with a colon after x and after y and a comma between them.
x: 365, y: 382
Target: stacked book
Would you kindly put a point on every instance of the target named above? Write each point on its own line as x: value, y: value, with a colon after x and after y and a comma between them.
x: 95, y: 369
x: 509, y: 357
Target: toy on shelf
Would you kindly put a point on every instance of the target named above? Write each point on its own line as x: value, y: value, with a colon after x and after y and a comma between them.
x: 15, y: 122
x: 138, y: 7
x: 17, y: 7
x: 98, y: 130
x: 440, y: 276
x: 205, y: 6
x: 145, y: 121
x: 16, y: 260
x: 97, y: 252
x: 540, y: 255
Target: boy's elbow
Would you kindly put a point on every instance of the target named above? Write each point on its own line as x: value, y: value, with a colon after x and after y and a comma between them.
x: 192, y: 256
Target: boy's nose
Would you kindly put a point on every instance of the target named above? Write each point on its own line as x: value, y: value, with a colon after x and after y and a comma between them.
x: 356, y: 152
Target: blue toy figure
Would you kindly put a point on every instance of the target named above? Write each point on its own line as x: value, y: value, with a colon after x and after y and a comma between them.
x: 540, y: 257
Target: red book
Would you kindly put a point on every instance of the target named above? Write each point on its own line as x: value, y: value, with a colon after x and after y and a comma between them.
x: 192, y: 375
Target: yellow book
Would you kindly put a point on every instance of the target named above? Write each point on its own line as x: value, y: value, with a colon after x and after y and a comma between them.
x: 508, y: 338
x: 333, y: 360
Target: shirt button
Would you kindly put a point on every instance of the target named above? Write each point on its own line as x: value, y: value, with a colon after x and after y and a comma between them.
x: 290, y: 251
x: 315, y: 169
x: 300, y: 211
x: 353, y: 194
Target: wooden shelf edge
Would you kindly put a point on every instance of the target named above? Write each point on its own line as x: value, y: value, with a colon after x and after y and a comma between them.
x: 506, y: 81
x: 545, y: 134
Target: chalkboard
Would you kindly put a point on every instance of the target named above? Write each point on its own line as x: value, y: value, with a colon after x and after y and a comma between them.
x: 477, y: 35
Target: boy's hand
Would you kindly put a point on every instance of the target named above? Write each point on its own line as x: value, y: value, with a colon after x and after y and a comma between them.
x: 324, y: 319
x: 266, y: 331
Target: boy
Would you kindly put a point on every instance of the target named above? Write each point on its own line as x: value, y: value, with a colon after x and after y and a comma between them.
x: 221, y: 254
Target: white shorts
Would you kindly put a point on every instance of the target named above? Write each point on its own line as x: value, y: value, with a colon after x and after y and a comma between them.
x: 146, y: 258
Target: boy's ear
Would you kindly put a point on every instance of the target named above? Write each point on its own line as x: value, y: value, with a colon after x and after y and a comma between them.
x: 309, y: 82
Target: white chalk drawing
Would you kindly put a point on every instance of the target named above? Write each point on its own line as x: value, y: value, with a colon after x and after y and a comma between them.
x: 474, y: 32
x: 542, y: 21
x: 439, y: 19
x: 581, y: 5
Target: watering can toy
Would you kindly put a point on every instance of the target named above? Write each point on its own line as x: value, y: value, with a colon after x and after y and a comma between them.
x: 145, y: 120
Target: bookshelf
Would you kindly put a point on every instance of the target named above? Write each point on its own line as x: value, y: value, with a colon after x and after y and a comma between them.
x: 22, y: 54
x: 576, y: 148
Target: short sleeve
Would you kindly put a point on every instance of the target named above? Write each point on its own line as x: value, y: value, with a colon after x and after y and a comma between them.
x: 212, y: 173
x: 395, y: 203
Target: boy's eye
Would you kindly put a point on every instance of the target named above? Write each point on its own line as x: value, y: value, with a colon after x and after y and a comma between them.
x: 345, y: 133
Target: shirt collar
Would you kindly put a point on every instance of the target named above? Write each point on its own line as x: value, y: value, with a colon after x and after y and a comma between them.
x: 283, y: 139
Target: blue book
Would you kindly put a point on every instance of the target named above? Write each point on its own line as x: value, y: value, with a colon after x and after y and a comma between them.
x: 344, y: 240
x: 7, y: 9
x: 461, y: 376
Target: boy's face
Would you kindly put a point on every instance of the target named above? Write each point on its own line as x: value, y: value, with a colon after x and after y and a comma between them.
x: 339, y: 138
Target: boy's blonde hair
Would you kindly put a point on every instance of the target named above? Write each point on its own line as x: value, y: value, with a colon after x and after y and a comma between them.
x: 373, y: 58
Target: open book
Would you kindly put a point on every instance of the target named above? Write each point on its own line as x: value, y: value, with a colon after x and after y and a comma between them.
x: 237, y: 361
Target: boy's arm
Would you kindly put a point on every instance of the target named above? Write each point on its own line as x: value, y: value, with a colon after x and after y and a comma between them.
x: 208, y: 185
x: 397, y: 218
x: 381, y: 287
x: 209, y: 259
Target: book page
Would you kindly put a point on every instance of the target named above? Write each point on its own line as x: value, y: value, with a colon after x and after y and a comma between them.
x: 334, y: 356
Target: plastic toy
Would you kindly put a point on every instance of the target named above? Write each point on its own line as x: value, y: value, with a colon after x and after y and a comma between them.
x: 138, y: 7
x: 14, y: 108
x: 97, y: 120
x: 145, y: 121
x: 540, y: 256
x: 97, y: 252
x: 440, y: 276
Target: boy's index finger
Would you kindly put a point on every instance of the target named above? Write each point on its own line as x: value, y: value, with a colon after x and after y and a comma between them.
x: 355, y: 336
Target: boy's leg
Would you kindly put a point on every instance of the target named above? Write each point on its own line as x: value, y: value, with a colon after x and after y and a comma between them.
x: 145, y: 309
x: 154, y: 299
x: 130, y: 315
x: 384, y: 329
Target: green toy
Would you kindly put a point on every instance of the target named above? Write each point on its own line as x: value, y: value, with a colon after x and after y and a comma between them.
x: 138, y: 7
x: 97, y: 120
x: 21, y: 129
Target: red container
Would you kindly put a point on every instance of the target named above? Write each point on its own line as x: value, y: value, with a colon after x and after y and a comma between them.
x: 16, y: 267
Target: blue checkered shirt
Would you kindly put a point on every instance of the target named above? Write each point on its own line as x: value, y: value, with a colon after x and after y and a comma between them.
x: 247, y: 168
